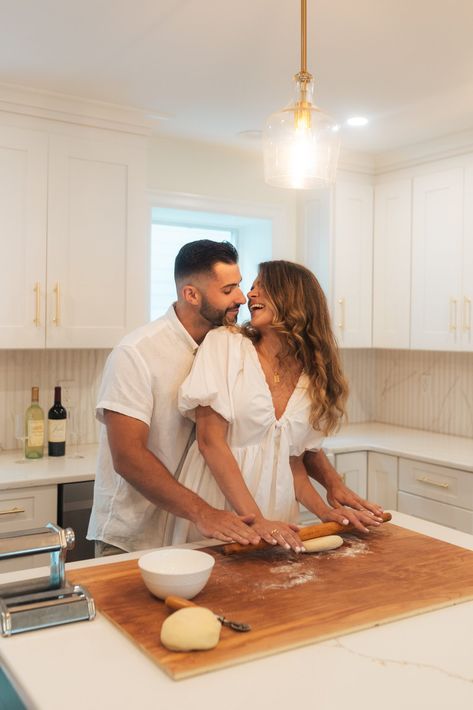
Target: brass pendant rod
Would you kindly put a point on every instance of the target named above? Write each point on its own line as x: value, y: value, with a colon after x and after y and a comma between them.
x: 303, y: 36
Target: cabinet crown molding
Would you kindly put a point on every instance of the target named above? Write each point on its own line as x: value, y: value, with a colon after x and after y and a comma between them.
x: 72, y: 109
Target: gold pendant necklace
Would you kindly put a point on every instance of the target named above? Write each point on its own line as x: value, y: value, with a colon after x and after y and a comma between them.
x: 276, y: 377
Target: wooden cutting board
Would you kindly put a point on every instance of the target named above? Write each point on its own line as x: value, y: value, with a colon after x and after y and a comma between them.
x: 291, y: 600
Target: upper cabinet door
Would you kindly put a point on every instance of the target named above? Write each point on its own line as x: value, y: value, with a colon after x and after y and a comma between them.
x: 353, y: 264
x: 96, y: 242
x: 392, y: 265
x: 437, y: 244
x: 23, y: 190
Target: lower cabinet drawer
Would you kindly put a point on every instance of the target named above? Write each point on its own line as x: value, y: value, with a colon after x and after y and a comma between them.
x: 446, y: 485
x: 441, y: 513
x: 25, y: 509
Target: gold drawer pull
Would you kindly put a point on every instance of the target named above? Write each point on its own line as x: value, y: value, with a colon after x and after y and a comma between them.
x: 57, y: 317
x: 12, y: 511
x: 424, y: 479
x: 37, y: 315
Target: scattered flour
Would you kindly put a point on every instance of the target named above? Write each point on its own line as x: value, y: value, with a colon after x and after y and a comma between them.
x: 354, y: 548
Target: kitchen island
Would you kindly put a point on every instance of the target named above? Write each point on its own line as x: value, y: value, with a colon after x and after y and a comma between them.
x: 422, y: 661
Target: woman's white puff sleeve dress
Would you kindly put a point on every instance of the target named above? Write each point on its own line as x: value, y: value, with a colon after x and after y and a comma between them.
x: 228, y: 377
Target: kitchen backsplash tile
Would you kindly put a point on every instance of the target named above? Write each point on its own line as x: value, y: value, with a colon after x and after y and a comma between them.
x: 424, y: 390
x: 21, y: 369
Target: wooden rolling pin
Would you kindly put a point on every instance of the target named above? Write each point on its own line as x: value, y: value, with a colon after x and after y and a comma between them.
x: 307, y: 533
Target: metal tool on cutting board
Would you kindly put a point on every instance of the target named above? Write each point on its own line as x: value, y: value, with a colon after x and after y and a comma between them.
x: 307, y: 533
x: 42, y: 601
x: 180, y: 603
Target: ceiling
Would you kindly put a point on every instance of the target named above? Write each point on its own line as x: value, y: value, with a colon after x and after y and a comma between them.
x: 212, y: 69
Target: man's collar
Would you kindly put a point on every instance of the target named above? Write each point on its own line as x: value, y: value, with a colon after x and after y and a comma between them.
x: 171, y: 315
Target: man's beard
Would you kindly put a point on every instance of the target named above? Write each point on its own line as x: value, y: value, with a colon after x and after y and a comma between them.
x: 214, y: 316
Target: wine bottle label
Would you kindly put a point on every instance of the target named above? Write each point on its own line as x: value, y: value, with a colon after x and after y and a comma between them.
x: 35, y: 432
x: 57, y: 430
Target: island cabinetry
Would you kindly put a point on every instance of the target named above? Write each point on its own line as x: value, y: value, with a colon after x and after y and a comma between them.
x: 436, y: 493
x: 73, y: 235
x: 382, y: 479
x: 25, y: 509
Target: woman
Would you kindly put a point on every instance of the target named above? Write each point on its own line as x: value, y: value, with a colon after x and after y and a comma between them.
x: 261, y: 396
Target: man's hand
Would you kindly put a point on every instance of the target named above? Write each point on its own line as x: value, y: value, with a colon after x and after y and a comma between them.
x: 338, y: 494
x: 362, y: 520
x: 226, y: 526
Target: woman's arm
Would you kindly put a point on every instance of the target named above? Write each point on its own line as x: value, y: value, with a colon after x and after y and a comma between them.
x: 310, y: 499
x: 212, y: 441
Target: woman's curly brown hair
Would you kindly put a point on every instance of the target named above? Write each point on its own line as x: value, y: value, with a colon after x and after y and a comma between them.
x: 303, y: 320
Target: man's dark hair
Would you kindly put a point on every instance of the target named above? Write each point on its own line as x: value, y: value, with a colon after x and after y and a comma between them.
x: 200, y: 256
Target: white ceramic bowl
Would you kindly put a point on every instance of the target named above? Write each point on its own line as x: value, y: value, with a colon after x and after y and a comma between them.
x: 181, y: 572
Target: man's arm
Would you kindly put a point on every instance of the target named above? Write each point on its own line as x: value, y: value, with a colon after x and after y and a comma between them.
x: 133, y: 461
x: 338, y: 494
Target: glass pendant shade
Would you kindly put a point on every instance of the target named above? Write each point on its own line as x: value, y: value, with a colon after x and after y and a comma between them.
x: 301, y: 144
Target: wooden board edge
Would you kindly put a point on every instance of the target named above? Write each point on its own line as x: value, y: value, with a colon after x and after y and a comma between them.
x: 181, y: 675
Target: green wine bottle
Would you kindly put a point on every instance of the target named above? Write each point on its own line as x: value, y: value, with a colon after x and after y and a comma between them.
x: 34, y: 427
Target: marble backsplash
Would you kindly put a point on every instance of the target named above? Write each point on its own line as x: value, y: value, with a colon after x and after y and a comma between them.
x: 419, y: 389
x: 424, y: 390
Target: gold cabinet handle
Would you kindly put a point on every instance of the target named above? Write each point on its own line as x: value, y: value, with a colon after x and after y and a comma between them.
x: 439, y: 484
x: 466, y: 314
x: 453, y: 311
x: 341, y: 303
x: 12, y: 511
x: 37, y: 310
x: 57, y: 317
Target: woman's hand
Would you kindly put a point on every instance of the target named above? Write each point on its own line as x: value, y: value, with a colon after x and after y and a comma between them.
x: 362, y: 520
x: 275, y: 532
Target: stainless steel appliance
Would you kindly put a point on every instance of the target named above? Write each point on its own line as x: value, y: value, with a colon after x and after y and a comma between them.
x: 74, y: 506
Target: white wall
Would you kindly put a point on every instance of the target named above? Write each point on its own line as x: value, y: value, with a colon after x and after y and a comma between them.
x: 219, y: 173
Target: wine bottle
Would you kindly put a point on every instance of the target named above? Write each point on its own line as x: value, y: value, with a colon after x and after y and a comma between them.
x: 34, y: 427
x: 57, y: 416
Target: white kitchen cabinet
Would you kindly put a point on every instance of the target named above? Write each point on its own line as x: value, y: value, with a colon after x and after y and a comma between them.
x: 353, y: 264
x: 338, y: 238
x: 353, y: 469
x: 392, y: 264
x: 23, y: 219
x: 438, y: 307
x: 435, y: 512
x: 25, y: 509
x: 382, y: 480
x: 75, y: 226
x: 437, y: 493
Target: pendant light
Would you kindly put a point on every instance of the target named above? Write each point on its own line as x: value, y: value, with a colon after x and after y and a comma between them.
x: 301, y: 143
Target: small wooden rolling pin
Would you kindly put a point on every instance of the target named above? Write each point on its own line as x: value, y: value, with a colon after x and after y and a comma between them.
x: 307, y: 533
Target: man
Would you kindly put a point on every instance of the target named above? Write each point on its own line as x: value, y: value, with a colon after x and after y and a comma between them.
x: 145, y: 439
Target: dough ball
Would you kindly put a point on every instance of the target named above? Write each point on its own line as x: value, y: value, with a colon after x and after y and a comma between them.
x: 191, y: 629
x: 319, y: 544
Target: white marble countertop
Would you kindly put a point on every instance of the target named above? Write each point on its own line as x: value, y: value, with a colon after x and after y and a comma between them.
x: 421, y: 662
x: 454, y: 451
x: 79, y: 463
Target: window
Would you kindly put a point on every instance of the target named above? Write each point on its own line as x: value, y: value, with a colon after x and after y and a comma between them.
x: 171, y: 229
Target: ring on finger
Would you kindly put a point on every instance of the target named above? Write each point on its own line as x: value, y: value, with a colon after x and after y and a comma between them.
x: 275, y: 530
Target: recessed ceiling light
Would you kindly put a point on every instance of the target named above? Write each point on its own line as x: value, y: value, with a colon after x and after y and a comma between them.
x: 357, y: 121
x: 254, y: 135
